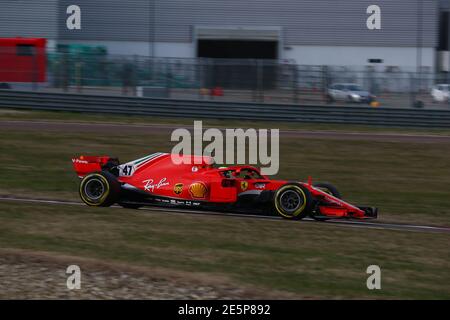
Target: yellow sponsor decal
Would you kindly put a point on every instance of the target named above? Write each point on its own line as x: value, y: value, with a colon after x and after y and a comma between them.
x: 178, y: 188
x: 198, y: 190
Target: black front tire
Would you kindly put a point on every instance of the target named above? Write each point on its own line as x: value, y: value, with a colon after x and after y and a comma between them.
x: 330, y: 189
x: 292, y: 201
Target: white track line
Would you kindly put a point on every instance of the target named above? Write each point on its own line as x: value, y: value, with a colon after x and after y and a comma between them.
x: 386, y: 134
x: 346, y: 223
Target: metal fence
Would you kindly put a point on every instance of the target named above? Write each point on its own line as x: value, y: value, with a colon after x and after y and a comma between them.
x: 264, y: 81
x: 198, y: 109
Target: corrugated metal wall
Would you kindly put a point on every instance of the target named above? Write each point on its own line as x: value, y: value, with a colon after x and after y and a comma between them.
x: 109, y: 20
x: 28, y: 18
x: 303, y: 22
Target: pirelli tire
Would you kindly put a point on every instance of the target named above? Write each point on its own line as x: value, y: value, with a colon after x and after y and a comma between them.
x: 330, y: 189
x: 293, y: 201
x: 99, y: 189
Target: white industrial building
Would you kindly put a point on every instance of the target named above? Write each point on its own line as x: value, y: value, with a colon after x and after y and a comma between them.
x: 307, y: 32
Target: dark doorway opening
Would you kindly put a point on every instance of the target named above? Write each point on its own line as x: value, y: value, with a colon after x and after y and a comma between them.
x: 238, y: 49
x: 254, y: 65
x: 443, y: 44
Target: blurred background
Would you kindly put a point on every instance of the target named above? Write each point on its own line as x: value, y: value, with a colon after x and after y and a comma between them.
x: 254, y: 51
x: 367, y: 110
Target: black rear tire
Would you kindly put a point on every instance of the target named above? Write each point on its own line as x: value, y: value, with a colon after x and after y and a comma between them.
x: 99, y: 189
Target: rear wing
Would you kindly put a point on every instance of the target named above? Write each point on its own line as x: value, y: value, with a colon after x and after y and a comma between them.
x: 84, y: 165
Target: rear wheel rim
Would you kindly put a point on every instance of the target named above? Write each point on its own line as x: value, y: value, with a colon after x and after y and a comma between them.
x: 94, y: 189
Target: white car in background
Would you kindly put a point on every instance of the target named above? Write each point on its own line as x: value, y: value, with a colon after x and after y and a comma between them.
x: 441, y: 92
x: 349, y: 92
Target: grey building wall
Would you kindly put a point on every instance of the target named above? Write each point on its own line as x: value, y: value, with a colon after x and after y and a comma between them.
x: 109, y: 20
x: 304, y: 22
x: 29, y: 18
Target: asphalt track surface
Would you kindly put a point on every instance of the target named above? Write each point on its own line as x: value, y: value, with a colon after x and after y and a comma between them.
x: 339, y: 223
x: 95, y: 127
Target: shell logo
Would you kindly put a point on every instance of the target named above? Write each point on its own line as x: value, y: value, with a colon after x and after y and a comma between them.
x: 198, y: 190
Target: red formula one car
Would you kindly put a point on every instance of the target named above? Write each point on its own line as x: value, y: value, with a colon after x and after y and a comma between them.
x: 156, y: 180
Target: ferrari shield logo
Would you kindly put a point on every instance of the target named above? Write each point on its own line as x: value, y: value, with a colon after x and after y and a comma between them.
x: 244, y: 185
x: 178, y: 188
